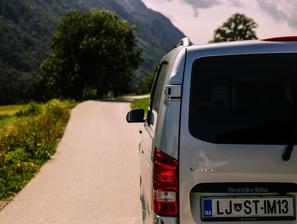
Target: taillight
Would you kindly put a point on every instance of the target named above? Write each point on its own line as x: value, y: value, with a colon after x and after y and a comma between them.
x: 165, y: 177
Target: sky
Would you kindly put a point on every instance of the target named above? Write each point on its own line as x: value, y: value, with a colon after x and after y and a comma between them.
x: 198, y: 19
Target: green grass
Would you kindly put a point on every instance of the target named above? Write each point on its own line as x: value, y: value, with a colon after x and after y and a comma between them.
x: 11, y: 109
x: 27, y: 140
x: 4, y: 119
x: 140, y: 104
x: 7, y: 112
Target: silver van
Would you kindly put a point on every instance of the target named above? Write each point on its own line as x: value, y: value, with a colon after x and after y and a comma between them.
x: 219, y: 136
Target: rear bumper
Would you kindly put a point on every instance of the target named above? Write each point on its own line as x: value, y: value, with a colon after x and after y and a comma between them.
x: 165, y: 220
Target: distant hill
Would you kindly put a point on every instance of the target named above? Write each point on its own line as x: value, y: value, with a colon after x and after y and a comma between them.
x: 26, y: 27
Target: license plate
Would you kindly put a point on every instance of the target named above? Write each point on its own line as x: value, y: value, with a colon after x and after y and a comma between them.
x: 248, y: 208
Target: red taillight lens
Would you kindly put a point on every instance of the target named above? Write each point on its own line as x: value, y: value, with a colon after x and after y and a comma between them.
x: 165, y: 195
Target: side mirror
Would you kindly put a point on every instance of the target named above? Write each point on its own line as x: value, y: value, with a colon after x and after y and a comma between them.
x: 135, y: 116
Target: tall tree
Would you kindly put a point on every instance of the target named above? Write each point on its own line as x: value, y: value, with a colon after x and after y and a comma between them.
x: 146, y: 86
x: 237, y: 27
x: 93, y: 49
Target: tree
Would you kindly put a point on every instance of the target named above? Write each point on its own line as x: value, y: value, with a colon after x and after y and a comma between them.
x: 146, y: 85
x: 93, y: 49
x: 237, y: 27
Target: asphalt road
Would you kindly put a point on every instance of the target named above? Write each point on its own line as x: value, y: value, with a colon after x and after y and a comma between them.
x: 93, y: 177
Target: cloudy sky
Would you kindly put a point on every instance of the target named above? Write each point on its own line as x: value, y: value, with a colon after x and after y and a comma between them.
x: 199, y: 18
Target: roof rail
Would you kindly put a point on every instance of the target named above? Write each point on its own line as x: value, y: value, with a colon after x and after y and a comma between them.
x: 185, y: 42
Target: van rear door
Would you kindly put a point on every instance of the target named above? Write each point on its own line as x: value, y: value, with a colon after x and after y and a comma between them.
x: 147, y: 145
x: 238, y: 117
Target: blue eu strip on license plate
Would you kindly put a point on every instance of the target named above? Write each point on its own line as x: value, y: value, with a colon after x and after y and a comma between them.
x: 207, y: 208
x: 248, y: 208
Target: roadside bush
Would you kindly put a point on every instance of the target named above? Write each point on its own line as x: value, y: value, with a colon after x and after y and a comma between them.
x: 3, y: 119
x: 31, y: 109
x: 28, y: 140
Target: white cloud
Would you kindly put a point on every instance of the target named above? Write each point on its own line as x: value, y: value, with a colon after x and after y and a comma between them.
x: 199, y: 4
x: 202, y: 4
x: 206, y: 4
x: 236, y: 3
x: 284, y: 10
x: 274, y: 18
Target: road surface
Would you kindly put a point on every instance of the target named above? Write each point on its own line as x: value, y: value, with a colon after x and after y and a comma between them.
x: 92, y: 179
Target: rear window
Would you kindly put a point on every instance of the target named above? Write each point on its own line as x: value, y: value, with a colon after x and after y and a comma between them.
x: 243, y: 99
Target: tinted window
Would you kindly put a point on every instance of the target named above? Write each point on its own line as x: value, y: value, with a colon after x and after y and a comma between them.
x: 244, y: 99
x: 159, y: 88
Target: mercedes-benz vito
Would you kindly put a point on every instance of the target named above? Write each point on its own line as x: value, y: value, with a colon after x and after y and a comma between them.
x: 219, y: 136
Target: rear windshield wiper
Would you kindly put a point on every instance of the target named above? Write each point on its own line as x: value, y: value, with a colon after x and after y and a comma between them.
x: 290, y: 147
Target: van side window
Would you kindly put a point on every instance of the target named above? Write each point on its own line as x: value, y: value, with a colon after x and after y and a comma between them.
x: 158, y: 89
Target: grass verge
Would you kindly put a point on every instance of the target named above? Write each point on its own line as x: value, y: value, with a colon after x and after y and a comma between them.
x: 27, y: 140
x: 140, y: 104
x: 11, y: 109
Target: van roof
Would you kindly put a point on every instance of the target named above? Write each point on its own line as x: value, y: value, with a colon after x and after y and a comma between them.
x: 185, y: 47
x: 245, y: 47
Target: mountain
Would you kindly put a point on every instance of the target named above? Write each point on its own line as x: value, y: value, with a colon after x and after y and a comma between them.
x: 26, y: 28
x: 156, y: 33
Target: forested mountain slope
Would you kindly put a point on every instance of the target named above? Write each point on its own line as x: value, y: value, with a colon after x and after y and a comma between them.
x: 26, y: 28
